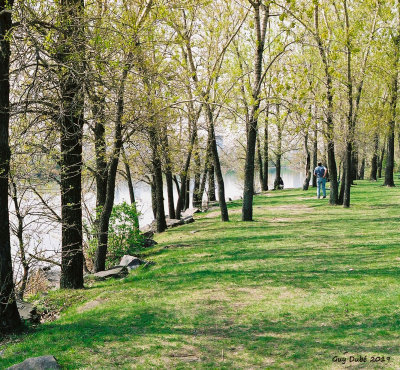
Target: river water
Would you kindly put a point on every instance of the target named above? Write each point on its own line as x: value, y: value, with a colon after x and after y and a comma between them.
x: 233, y: 189
x: 42, y: 234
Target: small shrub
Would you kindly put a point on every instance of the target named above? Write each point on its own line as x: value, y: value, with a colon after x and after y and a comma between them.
x: 123, y: 235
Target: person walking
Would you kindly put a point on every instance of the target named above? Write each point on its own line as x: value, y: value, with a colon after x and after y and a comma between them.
x: 321, y: 173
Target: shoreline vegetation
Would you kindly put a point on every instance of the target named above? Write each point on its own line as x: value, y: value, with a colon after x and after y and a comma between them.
x: 305, y: 285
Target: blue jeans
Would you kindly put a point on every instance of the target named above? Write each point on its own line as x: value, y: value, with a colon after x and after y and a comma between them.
x: 321, y: 183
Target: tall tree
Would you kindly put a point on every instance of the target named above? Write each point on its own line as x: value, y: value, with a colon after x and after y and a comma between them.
x: 71, y: 54
x: 393, y: 90
x: 261, y: 16
x: 9, y: 316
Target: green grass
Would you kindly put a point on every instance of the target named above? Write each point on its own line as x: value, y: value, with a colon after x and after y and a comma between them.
x: 301, y: 284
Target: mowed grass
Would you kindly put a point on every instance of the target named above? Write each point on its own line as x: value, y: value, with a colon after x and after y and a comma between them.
x: 301, y: 284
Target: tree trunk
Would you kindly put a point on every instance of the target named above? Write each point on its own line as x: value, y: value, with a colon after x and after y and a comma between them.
x: 266, y: 155
x: 342, y: 185
x: 211, y: 183
x: 187, y: 193
x: 354, y: 163
x: 9, y: 316
x: 197, y: 178
x: 170, y: 192
x: 153, y: 197
x: 130, y: 185
x: 217, y: 165
x: 349, y: 165
x: 168, y: 176
x: 381, y: 158
x: 278, y: 150
x: 374, y: 160
x: 389, y: 180
x: 315, y: 153
x: 248, y: 191
x: 332, y: 170
x: 104, y: 220
x: 129, y: 179
x: 160, y: 214
x: 260, y: 162
x: 361, y: 174
x: 21, y: 244
x: 176, y: 182
x: 203, y: 182
x: 71, y: 86
x: 306, y: 183
x: 101, y: 155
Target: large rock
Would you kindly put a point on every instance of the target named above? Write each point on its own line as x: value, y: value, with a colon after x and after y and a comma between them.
x: 115, y: 272
x: 27, y: 311
x: 37, y: 363
x: 148, y: 234
x: 149, y: 243
x: 172, y: 222
x: 188, y: 220
x: 190, y: 212
x: 131, y: 262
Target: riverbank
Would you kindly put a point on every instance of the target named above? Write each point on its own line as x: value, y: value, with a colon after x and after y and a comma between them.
x: 303, y: 283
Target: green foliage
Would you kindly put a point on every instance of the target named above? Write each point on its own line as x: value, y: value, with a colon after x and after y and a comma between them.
x: 123, y: 234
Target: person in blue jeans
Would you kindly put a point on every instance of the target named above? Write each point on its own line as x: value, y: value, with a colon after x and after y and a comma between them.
x: 321, y: 172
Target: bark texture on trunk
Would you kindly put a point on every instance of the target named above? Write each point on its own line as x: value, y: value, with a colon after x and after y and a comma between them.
x: 217, y: 165
x: 248, y: 191
x: 168, y: 176
x: 211, y: 183
x: 381, y: 158
x: 266, y: 154
x: 72, y: 100
x: 374, y: 160
x: 278, y: 165
x: 197, y: 178
x: 260, y: 162
x: 349, y: 163
x: 104, y: 219
x: 306, y: 183
x: 9, y: 316
x: 342, y: 185
x: 153, y: 197
x: 161, y: 224
x: 315, y: 154
x: 361, y: 174
x: 389, y: 180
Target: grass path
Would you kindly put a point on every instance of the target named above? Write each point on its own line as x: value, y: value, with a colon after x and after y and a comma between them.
x: 301, y: 284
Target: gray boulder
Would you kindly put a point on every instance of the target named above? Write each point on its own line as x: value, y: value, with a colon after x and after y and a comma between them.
x: 37, y: 363
x: 188, y: 220
x: 27, y: 311
x: 115, y: 272
x: 148, y: 234
x: 131, y: 262
x: 190, y: 212
x: 149, y: 243
x: 171, y: 222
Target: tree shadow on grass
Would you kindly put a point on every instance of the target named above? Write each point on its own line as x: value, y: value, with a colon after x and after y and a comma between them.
x: 142, y: 328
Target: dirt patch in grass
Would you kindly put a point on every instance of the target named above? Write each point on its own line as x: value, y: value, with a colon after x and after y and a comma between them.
x: 298, y: 208
x: 90, y: 305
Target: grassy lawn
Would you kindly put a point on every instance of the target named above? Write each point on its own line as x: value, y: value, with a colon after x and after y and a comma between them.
x: 301, y: 284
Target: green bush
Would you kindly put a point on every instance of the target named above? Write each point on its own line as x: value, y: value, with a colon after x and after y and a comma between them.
x: 123, y: 234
